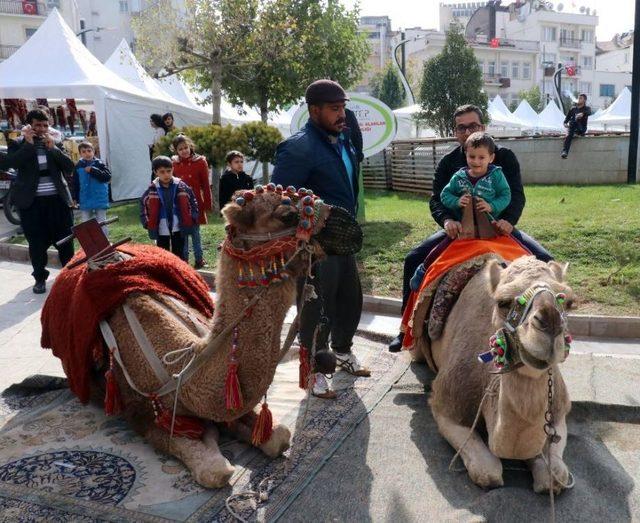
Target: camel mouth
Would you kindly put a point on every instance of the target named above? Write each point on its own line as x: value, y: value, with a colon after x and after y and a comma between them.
x: 341, y: 234
x: 532, y: 361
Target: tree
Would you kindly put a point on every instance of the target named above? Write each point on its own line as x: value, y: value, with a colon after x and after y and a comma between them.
x: 534, y: 97
x: 450, y: 79
x: 387, y: 87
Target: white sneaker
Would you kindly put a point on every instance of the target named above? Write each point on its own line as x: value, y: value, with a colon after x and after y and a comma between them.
x: 322, y: 387
x: 348, y: 362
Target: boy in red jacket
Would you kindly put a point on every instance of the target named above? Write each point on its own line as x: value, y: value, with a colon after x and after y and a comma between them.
x: 193, y: 170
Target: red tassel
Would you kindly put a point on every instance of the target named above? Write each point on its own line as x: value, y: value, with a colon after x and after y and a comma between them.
x: 183, y: 426
x: 112, y: 399
x: 233, y: 394
x: 304, y: 369
x: 263, y: 428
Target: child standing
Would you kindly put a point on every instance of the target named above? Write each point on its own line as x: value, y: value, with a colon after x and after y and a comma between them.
x: 193, y: 170
x: 233, y: 178
x: 168, y: 208
x: 481, y: 179
x: 91, y: 179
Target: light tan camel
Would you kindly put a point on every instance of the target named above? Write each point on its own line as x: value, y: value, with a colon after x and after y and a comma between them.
x: 258, y: 335
x: 515, y: 416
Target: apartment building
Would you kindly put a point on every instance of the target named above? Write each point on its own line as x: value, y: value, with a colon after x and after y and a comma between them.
x: 381, y: 38
x: 19, y: 19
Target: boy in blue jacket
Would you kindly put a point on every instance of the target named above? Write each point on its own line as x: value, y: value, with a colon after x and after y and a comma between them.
x: 91, y: 179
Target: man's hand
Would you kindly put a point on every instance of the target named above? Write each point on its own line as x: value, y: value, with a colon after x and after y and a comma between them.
x: 452, y: 228
x: 28, y: 133
x: 503, y: 227
x: 48, y: 141
x: 464, y: 200
x: 566, y: 125
x: 87, y: 169
x: 579, y: 115
x: 483, y: 206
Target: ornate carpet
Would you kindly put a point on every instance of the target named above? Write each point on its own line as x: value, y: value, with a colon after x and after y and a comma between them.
x: 62, y: 461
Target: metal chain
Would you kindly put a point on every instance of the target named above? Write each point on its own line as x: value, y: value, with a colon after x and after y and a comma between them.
x: 552, y: 437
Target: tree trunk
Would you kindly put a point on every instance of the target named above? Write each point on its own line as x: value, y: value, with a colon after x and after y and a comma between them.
x: 264, y: 113
x: 216, y: 91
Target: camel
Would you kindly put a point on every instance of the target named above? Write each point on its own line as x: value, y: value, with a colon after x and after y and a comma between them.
x: 253, y: 219
x: 514, y: 416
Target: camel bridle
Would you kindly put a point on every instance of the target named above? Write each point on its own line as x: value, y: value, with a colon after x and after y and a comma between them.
x: 505, y: 346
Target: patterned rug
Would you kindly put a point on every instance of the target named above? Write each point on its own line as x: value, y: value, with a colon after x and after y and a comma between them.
x: 62, y: 461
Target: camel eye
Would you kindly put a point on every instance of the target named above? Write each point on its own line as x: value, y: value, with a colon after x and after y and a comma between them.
x: 568, y: 304
x: 504, y: 304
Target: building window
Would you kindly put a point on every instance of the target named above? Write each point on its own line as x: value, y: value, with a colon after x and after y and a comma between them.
x: 587, y: 36
x: 30, y: 31
x: 526, y: 70
x: 607, y: 90
x: 491, y: 68
x: 548, y: 59
x: 124, y: 6
x: 547, y: 87
x: 515, y: 101
x: 504, y: 69
x: 548, y: 34
x: 481, y: 65
x: 585, y: 87
x: 374, y: 35
x: 515, y: 69
x: 587, y: 62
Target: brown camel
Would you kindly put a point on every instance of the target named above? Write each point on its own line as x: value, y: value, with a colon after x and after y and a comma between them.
x: 514, y: 416
x: 258, y: 341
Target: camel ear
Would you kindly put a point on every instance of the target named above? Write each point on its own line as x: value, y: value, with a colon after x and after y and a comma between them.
x: 495, y: 272
x: 237, y: 215
x: 559, y: 270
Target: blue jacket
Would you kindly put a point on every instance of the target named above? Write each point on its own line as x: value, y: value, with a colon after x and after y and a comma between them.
x: 311, y: 158
x: 91, y: 189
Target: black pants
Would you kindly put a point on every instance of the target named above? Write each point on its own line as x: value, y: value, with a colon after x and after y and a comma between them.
x: 574, y: 128
x: 173, y: 243
x: 337, y: 284
x: 419, y: 253
x: 46, y: 221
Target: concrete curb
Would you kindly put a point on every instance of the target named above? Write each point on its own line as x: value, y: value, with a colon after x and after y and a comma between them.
x: 583, y: 325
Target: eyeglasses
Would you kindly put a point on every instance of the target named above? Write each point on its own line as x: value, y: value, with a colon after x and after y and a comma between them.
x: 472, y: 128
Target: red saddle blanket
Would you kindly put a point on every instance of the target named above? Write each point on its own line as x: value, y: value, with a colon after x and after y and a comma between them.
x: 459, y: 251
x: 80, y: 299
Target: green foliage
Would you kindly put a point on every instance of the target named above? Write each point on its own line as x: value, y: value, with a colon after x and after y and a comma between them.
x: 387, y: 87
x: 450, y: 79
x: 534, y: 97
x: 256, y: 140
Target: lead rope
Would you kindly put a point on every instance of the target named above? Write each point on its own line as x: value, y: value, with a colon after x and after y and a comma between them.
x: 552, y: 437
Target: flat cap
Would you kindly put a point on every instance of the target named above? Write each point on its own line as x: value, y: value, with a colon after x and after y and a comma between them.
x: 325, y: 91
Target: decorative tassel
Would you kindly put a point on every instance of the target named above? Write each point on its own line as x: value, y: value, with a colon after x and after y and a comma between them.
x: 263, y: 428
x: 304, y: 368
x: 233, y: 396
x: 252, y: 278
x: 183, y: 426
x: 112, y: 399
x: 232, y: 392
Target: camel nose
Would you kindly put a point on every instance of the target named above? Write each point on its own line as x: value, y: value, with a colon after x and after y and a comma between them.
x: 547, y: 318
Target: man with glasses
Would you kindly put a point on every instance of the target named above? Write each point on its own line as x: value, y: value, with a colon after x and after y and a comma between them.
x: 468, y: 120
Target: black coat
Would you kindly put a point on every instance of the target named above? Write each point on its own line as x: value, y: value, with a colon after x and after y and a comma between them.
x: 231, y: 182
x: 22, y: 156
x: 455, y: 160
x: 355, y: 134
x: 581, y: 122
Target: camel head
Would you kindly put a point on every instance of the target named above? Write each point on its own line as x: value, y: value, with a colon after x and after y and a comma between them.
x: 531, y: 298
x: 273, y: 214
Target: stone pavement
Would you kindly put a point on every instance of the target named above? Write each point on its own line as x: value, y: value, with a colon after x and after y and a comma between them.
x: 393, y: 466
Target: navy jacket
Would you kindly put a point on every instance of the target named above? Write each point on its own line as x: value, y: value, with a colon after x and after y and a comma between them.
x: 311, y: 158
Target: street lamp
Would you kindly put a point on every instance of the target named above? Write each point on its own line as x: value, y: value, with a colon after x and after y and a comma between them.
x: 403, y: 78
x: 82, y: 33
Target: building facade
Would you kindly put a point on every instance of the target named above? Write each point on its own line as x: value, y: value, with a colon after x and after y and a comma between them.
x: 19, y: 19
x: 380, y: 37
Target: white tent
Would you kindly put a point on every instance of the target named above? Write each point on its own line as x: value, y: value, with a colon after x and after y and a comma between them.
x: 499, y: 104
x: 175, y: 88
x: 408, y: 127
x: 525, y: 113
x: 551, y: 118
x: 618, y: 114
x: 53, y: 63
x: 500, y: 116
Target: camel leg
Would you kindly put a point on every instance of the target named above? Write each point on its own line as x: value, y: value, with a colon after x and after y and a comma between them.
x: 484, y: 469
x: 203, y: 458
x: 539, y: 469
x: 280, y: 438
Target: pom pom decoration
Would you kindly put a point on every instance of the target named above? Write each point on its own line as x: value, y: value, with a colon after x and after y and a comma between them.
x: 271, y: 187
x: 259, y: 189
x: 521, y: 300
x: 248, y: 195
x: 286, y: 200
x: 240, y: 201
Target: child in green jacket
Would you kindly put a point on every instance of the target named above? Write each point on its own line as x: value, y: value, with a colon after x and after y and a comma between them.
x: 481, y: 179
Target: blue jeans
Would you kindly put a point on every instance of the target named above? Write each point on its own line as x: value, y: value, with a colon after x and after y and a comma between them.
x: 197, y: 245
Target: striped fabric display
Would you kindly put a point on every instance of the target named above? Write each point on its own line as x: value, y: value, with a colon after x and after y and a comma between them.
x: 46, y: 186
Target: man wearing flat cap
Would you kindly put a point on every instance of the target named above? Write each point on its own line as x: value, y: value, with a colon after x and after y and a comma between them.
x: 321, y: 157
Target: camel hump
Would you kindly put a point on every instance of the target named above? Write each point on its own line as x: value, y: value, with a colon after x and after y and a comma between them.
x: 476, y: 225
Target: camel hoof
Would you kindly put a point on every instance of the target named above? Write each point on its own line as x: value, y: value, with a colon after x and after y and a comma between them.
x: 542, y: 481
x: 417, y: 356
x: 215, y: 474
x: 279, y: 441
x: 487, y: 475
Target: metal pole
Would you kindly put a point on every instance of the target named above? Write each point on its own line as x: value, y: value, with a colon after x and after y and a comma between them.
x: 404, y: 55
x: 83, y: 33
x: 632, y: 164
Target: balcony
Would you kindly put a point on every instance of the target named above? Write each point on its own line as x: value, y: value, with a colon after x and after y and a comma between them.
x: 496, y: 80
x: 19, y: 7
x: 7, y: 50
x: 570, y: 43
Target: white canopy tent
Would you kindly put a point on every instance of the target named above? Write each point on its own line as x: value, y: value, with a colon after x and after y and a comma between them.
x: 59, y: 66
x: 618, y: 114
x: 501, y: 117
x: 408, y: 127
x: 551, y: 118
x: 525, y: 113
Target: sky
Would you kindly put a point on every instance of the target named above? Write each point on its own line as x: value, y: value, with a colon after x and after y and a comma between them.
x: 614, y: 16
